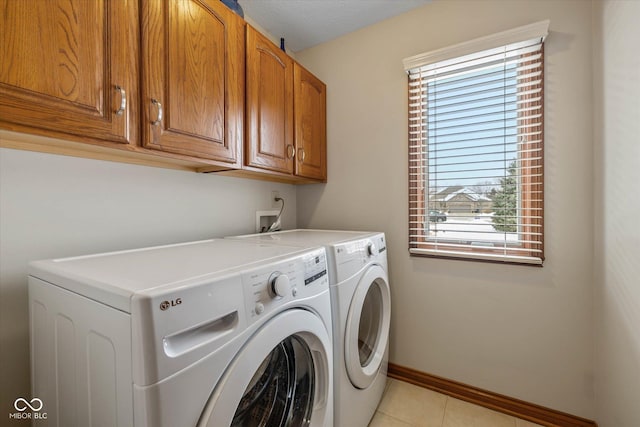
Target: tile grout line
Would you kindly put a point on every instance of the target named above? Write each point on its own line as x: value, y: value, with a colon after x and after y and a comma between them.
x: 444, y: 412
x: 395, y: 418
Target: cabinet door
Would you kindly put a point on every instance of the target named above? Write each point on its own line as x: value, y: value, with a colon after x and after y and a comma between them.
x: 70, y: 66
x: 310, y: 108
x: 193, y: 79
x: 269, y: 105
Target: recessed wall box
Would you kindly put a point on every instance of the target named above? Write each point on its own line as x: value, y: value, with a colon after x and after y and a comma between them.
x: 264, y: 219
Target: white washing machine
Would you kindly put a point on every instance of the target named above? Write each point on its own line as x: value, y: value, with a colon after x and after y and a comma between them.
x: 211, y: 333
x: 361, y: 311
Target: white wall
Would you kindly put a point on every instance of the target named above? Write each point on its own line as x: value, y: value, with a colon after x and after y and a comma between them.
x: 522, y: 331
x: 617, y: 206
x: 54, y: 206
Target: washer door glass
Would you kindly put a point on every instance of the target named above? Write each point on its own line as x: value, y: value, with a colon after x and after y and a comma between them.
x: 280, y: 376
x: 367, y: 328
x: 280, y: 393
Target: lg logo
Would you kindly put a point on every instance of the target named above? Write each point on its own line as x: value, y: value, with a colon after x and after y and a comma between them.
x: 166, y: 305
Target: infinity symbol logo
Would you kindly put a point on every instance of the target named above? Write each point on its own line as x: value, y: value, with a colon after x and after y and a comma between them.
x: 21, y: 404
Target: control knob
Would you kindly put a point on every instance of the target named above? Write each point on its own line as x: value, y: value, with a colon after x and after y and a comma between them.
x: 371, y: 249
x: 280, y: 285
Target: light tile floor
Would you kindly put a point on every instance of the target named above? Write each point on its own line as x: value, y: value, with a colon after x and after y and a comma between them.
x: 405, y: 404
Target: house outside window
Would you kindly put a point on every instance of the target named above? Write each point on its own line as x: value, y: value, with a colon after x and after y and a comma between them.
x: 476, y: 149
x: 457, y: 199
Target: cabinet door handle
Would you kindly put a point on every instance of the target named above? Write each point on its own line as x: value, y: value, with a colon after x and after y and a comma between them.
x: 159, y: 116
x: 123, y: 100
x: 301, y: 155
x: 291, y: 152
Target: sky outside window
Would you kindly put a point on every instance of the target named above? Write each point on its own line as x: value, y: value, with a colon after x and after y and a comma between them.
x: 472, y: 125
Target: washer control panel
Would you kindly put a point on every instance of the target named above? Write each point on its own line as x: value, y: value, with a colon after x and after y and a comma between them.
x: 270, y: 287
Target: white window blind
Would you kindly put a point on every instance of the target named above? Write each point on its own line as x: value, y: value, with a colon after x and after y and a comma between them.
x: 476, y: 149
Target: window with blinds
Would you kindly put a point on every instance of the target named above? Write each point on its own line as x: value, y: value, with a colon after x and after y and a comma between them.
x: 476, y: 149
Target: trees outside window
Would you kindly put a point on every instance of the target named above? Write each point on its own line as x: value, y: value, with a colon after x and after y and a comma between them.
x: 505, y: 202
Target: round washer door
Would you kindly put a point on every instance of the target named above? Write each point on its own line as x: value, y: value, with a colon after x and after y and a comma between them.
x: 281, y: 377
x: 367, y: 328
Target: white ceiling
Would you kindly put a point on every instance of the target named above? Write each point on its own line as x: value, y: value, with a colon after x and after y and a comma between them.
x: 306, y: 23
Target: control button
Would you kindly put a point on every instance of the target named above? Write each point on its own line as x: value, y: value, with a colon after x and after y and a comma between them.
x: 280, y: 285
x: 294, y: 291
x: 259, y: 308
x: 371, y: 249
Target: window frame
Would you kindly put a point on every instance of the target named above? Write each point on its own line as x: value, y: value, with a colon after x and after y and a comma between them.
x: 530, y: 222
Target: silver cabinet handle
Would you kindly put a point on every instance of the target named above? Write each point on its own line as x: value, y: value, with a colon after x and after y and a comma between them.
x: 291, y: 152
x: 123, y: 100
x: 159, y: 106
x: 301, y: 155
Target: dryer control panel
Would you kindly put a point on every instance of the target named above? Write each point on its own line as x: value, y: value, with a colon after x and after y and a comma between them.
x: 350, y: 257
x: 268, y: 288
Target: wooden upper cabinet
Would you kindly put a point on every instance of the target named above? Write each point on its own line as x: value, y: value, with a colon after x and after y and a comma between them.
x: 166, y: 75
x: 193, y: 79
x: 70, y: 66
x: 269, y: 110
x: 310, y: 106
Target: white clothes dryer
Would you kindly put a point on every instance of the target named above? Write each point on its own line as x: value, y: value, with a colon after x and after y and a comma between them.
x: 361, y: 312
x: 208, y: 334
